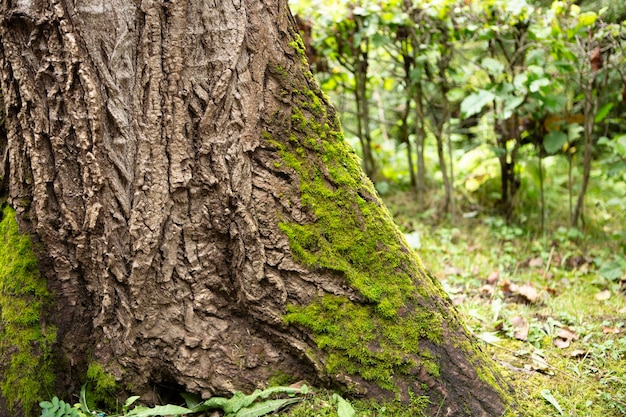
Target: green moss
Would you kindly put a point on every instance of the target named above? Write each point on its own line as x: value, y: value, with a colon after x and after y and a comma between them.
x: 353, y: 234
x: 102, y: 387
x: 479, y: 361
x: 278, y: 379
x: 25, y: 339
x: 298, y: 45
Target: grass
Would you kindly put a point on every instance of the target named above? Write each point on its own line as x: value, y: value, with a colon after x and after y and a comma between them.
x: 579, y: 284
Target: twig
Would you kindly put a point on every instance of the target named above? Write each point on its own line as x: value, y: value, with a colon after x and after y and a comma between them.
x: 545, y: 272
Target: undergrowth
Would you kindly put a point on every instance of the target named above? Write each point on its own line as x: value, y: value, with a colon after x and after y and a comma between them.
x: 549, y: 307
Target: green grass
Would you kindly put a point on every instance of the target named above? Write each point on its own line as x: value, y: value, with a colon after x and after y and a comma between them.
x: 573, y: 273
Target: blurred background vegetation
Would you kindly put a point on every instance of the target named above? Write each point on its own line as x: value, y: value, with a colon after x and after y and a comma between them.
x: 512, y: 108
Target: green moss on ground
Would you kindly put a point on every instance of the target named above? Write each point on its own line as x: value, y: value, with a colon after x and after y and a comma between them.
x: 25, y: 339
x: 353, y: 234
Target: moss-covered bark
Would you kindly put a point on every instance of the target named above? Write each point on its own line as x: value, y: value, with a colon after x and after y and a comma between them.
x: 25, y: 339
x: 402, y: 336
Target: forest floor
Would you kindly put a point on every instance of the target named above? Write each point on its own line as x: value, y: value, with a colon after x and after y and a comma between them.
x: 550, y: 309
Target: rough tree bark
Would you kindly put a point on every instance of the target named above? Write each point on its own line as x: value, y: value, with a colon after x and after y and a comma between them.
x: 199, y: 219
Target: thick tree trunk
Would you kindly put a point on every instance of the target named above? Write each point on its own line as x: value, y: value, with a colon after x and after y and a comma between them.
x: 201, y: 223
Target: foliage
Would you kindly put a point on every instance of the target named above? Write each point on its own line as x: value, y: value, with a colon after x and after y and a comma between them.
x: 259, y: 403
x: 25, y: 338
x: 529, y: 80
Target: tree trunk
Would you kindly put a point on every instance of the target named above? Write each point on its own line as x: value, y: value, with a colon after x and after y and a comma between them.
x: 199, y: 219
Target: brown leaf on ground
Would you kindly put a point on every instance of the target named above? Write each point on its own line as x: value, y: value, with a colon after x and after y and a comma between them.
x: 299, y: 384
x: 603, y: 295
x: 564, y: 338
x: 552, y: 291
x: 578, y: 354
x: 521, y: 326
x: 529, y: 292
x: 561, y: 343
x: 509, y: 287
x: 526, y: 293
x: 610, y: 330
x: 493, y: 277
x: 487, y: 290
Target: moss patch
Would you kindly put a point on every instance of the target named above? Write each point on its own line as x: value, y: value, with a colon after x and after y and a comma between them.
x: 25, y: 340
x: 101, y: 388
x: 353, y: 234
x: 361, y: 341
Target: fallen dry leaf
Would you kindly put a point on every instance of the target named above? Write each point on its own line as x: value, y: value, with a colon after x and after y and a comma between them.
x: 578, y: 353
x: 487, y: 289
x: 529, y: 292
x: 561, y: 343
x: 610, y: 330
x: 551, y: 291
x: 509, y: 287
x: 521, y: 326
x: 603, y: 295
x: 493, y: 277
x: 564, y: 338
x: 539, y: 364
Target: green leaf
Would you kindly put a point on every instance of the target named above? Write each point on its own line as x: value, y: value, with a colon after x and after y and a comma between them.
x: 344, y: 409
x: 536, y: 85
x: 273, y: 390
x: 192, y: 400
x: 131, y: 400
x: 547, y: 395
x: 455, y: 95
x: 519, y: 81
x: 554, y: 103
x: 45, y: 404
x: 611, y: 271
x: 492, y: 66
x: 512, y: 102
x: 554, y: 141
x: 587, y: 18
x: 238, y: 401
x: 603, y: 112
x: 215, y: 402
x: 475, y: 102
x: 619, y: 145
x: 82, y: 399
x: 159, y: 410
x: 265, y: 407
x: 574, y: 131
